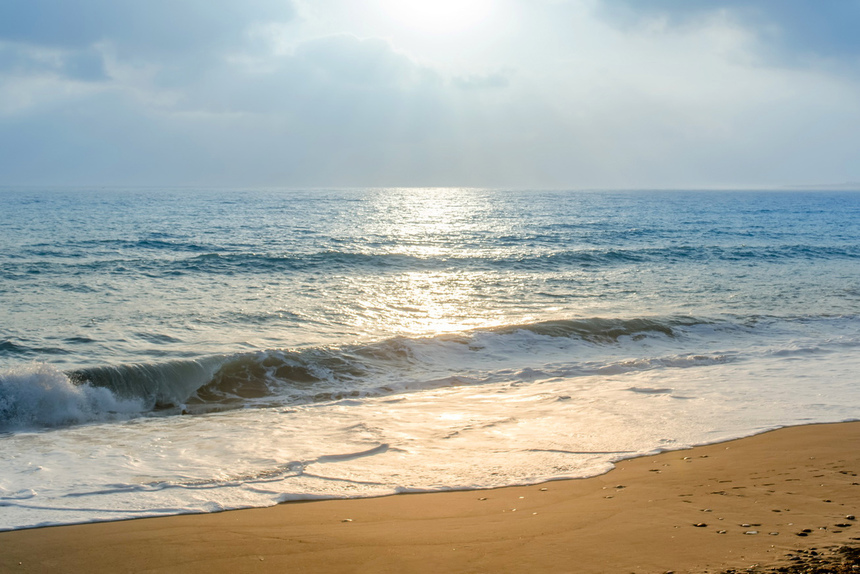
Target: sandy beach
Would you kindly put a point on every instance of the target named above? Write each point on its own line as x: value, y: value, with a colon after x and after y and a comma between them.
x: 737, y: 505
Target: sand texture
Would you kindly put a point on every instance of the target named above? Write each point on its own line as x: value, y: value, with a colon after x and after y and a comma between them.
x: 709, y: 509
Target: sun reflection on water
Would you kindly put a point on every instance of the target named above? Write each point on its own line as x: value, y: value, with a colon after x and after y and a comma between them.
x: 433, y: 224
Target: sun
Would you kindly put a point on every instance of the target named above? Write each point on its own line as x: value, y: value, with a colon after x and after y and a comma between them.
x: 439, y: 16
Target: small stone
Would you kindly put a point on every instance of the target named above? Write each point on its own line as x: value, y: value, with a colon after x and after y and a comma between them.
x: 721, y: 531
x: 802, y: 534
x: 751, y: 532
x: 774, y: 533
x: 850, y: 517
x: 745, y: 525
x: 544, y: 489
x: 347, y: 520
x: 707, y: 510
x: 483, y: 498
x: 620, y: 486
x: 700, y: 525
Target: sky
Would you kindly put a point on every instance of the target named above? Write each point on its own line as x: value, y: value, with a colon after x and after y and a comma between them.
x: 573, y: 94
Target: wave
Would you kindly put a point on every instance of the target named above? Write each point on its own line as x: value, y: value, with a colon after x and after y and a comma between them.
x: 600, y: 330
x: 12, y: 348
x: 154, y: 242
x: 158, y: 386
x: 531, y: 259
x: 42, y: 396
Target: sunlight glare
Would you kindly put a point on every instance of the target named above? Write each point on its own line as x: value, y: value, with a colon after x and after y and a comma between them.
x: 439, y: 16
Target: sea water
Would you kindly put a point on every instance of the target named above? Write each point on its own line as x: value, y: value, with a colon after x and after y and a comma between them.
x: 167, y: 351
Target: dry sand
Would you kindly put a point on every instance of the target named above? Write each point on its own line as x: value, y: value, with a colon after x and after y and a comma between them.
x: 708, y: 509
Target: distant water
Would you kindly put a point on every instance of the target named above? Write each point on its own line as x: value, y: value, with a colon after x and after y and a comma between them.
x: 170, y: 351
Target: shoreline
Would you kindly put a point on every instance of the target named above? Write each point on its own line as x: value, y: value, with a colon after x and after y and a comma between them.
x: 726, y: 505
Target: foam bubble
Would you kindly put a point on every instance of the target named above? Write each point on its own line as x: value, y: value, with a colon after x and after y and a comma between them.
x: 40, y: 395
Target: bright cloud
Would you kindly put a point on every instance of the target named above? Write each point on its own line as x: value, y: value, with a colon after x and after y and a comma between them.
x: 439, y: 16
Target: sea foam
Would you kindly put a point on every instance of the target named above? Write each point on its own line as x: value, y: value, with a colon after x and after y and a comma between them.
x: 39, y: 395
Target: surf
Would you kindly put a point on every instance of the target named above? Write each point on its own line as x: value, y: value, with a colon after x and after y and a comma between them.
x: 41, y: 395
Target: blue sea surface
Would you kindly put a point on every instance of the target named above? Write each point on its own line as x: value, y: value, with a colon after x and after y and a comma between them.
x: 378, y: 329
x: 112, y: 276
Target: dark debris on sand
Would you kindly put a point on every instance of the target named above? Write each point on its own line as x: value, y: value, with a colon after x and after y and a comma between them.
x: 840, y: 560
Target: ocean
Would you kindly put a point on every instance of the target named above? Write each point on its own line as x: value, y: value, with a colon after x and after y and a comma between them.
x: 167, y: 351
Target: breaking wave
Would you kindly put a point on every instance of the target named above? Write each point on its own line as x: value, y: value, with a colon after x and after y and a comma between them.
x: 42, y: 396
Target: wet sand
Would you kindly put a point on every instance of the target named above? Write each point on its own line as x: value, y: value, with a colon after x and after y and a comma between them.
x: 725, y: 506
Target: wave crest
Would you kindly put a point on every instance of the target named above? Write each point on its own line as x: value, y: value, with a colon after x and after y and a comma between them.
x: 600, y: 330
x: 42, y: 396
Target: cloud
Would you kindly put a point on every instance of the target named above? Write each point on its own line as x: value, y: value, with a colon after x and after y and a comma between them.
x: 138, y: 28
x: 790, y: 31
x: 225, y: 92
x: 482, y: 81
x: 331, y: 109
x: 85, y: 64
x: 154, y: 51
x: 348, y: 59
x: 173, y: 40
x: 329, y: 79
